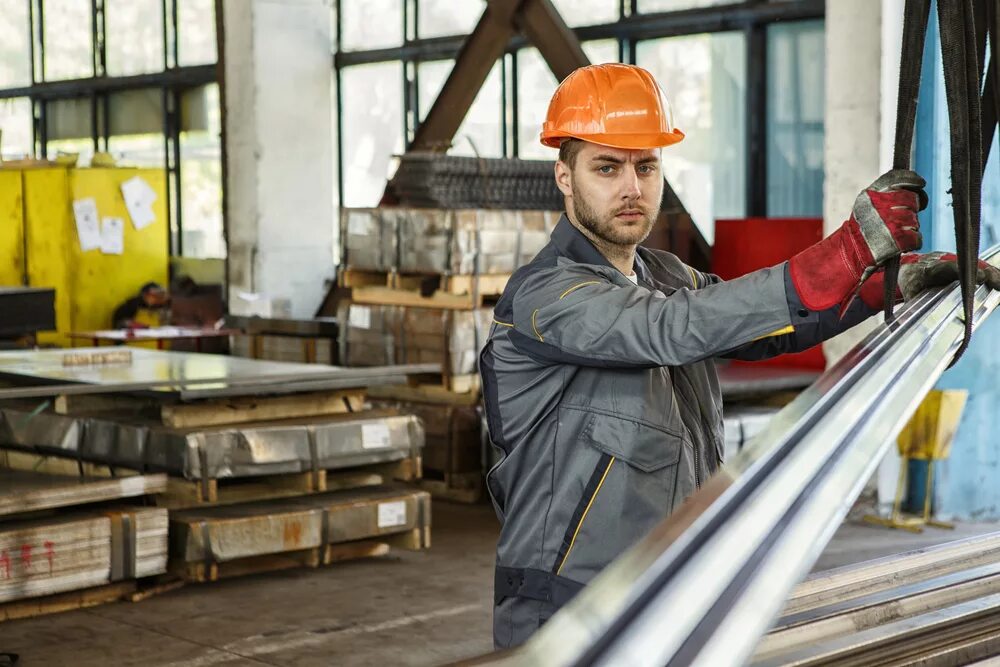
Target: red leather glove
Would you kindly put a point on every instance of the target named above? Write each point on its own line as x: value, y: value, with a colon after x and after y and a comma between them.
x: 882, y: 225
x: 920, y: 272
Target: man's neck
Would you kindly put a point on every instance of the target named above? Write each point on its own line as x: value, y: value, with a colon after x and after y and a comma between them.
x: 622, y: 257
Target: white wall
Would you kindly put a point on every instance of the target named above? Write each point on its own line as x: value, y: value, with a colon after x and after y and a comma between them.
x: 280, y: 159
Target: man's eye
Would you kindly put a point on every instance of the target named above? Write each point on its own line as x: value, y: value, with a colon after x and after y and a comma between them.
x: 606, y: 169
x: 646, y: 169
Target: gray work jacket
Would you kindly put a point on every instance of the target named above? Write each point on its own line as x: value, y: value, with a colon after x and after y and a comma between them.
x: 604, y: 399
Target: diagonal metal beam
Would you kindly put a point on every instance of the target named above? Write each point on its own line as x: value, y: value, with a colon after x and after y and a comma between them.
x: 475, y: 60
x: 547, y: 31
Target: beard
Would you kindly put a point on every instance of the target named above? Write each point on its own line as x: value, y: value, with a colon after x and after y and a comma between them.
x: 607, y: 228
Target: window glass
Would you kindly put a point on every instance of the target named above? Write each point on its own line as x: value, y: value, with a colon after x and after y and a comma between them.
x: 68, y: 39
x: 15, y: 128
x: 371, y: 24
x: 795, y: 104
x: 480, y: 134
x: 201, y: 175
x: 15, y: 49
x: 447, y: 17
x: 650, y: 6
x: 196, y: 32
x: 704, y: 78
x: 601, y: 51
x: 134, y: 36
x: 372, y: 104
x: 587, y: 12
x: 535, y: 85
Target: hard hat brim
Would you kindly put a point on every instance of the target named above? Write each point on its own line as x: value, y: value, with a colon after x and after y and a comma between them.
x: 623, y: 141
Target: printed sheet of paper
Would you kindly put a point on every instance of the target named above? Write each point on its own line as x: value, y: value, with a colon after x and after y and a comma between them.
x: 112, y: 236
x: 88, y: 227
x: 139, y: 198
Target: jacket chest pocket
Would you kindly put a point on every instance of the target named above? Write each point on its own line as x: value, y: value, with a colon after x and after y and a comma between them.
x: 642, y: 473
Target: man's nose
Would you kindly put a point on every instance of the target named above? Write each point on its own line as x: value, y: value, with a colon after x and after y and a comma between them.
x: 630, y: 186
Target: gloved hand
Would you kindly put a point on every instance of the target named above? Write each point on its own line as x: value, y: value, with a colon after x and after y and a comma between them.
x: 920, y: 272
x: 882, y: 225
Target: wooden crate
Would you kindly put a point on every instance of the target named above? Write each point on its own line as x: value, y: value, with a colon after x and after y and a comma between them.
x: 248, y: 538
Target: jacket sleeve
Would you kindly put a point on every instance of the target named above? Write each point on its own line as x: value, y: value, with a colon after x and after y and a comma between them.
x: 807, y: 327
x: 591, y: 315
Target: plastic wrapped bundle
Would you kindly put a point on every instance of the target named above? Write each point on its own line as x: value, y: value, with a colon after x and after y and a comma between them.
x: 369, y: 238
x: 380, y: 335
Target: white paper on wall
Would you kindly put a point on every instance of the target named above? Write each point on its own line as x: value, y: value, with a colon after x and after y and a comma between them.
x: 112, y: 236
x: 139, y: 198
x: 88, y: 227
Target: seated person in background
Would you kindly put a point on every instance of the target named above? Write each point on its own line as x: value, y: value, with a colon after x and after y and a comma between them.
x: 143, y: 310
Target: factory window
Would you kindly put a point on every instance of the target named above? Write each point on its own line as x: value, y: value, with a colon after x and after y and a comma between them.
x: 587, y: 12
x: 705, y: 72
x: 196, y: 33
x: 69, y: 49
x: 134, y: 38
x: 795, y: 102
x: 480, y: 134
x: 15, y: 128
x: 372, y: 124
x: 704, y: 78
x: 370, y: 24
x: 15, y: 49
x: 447, y: 17
x: 651, y: 6
x: 168, y: 119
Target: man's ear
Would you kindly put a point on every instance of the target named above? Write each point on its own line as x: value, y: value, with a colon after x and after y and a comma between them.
x: 564, y: 178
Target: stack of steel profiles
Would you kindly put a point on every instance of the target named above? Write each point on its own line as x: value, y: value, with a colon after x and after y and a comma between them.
x: 704, y: 586
x: 234, y: 450
x: 433, y: 180
x: 939, y: 605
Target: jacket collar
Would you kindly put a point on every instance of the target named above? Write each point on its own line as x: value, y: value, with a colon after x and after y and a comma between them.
x: 577, y: 247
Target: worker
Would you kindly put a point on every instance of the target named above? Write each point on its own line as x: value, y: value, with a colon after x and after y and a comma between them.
x: 598, y: 375
x: 145, y: 309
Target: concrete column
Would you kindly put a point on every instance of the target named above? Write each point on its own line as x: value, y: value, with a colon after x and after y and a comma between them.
x: 279, y: 154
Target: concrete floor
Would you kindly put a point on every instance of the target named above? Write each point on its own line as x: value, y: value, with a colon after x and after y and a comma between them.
x: 406, y: 609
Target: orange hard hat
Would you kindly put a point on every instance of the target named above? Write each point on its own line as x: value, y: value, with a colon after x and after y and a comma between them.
x: 613, y: 105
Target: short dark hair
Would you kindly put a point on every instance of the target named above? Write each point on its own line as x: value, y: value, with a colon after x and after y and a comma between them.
x: 149, y: 287
x: 568, y: 150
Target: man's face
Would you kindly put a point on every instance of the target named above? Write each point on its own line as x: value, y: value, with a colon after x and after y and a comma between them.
x: 614, y: 193
x: 154, y: 298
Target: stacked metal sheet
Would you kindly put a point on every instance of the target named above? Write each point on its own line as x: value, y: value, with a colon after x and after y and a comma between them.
x: 373, y: 335
x: 80, y: 550
x: 435, y: 241
x: 234, y: 532
x: 447, y: 181
x: 238, y: 450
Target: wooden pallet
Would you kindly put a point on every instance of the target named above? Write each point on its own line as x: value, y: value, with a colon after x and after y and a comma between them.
x: 183, y: 493
x: 413, y: 540
x: 429, y: 291
x: 466, y: 487
x: 423, y: 393
x: 69, y: 601
x: 466, y: 383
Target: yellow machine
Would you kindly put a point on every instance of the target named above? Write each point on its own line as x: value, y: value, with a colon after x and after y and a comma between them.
x: 40, y: 246
x: 926, y: 437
